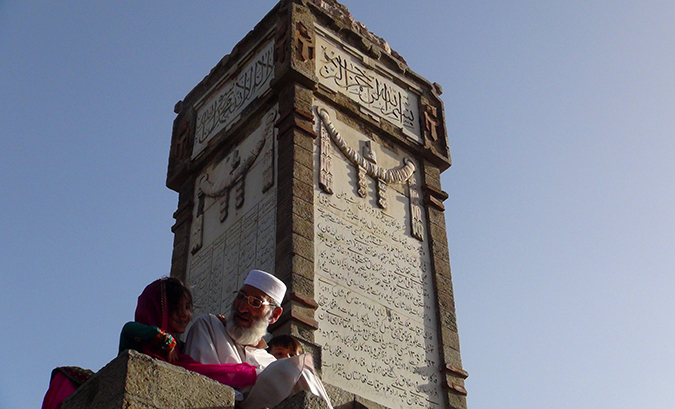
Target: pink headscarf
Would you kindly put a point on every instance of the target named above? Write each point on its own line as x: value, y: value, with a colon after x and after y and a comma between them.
x: 152, y: 308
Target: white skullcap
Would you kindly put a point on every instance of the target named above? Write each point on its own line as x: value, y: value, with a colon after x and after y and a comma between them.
x: 268, y: 284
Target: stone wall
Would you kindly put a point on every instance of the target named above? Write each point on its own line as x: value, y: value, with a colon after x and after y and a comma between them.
x: 137, y: 381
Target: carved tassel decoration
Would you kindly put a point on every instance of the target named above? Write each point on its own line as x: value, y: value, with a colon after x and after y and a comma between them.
x: 198, y: 226
x: 366, y: 165
x: 416, y: 225
x: 268, y: 172
x: 224, y: 205
x: 325, y: 173
x: 382, y: 193
x: 240, y: 192
x: 363, y: 182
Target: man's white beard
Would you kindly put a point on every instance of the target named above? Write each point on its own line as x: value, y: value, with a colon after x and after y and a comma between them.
x: 247, y: 336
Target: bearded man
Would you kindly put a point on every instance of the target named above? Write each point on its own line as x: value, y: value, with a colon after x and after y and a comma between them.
x: 240, y: 340
x: 256, y: 306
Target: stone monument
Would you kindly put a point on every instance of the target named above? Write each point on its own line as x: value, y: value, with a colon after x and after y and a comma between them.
x: 314, y: 152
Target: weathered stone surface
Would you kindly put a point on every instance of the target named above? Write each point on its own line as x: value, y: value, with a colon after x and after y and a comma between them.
x: 137, y: 381
x: 440, y: 242
x: 297, y: 265
x: 302, y: 400
x: 443, y: 279
x: 296, y: 244
x: 298, y: 224
x: 432, y: 176
x: 292, y: 152
x: 437, y: 217
x: 374, y: 278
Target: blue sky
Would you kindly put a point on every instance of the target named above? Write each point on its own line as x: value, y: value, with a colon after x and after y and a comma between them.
x: 560, y: 217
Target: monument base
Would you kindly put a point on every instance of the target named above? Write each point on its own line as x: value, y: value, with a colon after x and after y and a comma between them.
x: 340, y: 399
x: 137, y: 381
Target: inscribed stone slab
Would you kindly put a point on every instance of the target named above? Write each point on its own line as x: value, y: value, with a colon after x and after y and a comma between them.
x: 344, y: 69
x: 223, y: 108
x: 377, y: 314
x: 235, y: 229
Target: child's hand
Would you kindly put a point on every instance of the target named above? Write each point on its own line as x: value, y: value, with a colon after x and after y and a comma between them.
x: 172, y: 356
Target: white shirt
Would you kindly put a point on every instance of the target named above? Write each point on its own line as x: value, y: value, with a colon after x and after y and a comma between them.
x: 208, y: 342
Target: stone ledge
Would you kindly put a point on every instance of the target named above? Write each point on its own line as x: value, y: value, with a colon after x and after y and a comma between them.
x: 136, y: 381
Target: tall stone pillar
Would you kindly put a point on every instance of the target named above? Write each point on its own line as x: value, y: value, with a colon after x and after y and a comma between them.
x: 314, y: 152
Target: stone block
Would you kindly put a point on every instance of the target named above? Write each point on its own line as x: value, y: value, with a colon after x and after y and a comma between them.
x: 292, y: 152
x: 456, y: 401
x: 292, y: 187
x: 296, y: 244
x: 436, y: 217
x: 297, y: 223
x: 302, y: 285
x: 440, y: 239
x: 137, y: 381
x: 443, y: 279
x: 302, y: 400
x: 295, y: 264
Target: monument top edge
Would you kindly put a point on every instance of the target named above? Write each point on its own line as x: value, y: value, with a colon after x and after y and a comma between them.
x: 326, y: 11
x: 341, y: 14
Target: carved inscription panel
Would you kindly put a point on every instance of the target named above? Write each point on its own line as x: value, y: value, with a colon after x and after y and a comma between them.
x: 377, y: 316
x: 234, y: 220
x: 223, y: 108
x: 343, y: 69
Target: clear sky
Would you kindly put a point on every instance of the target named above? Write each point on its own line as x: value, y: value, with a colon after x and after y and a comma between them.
x: 560, y: 218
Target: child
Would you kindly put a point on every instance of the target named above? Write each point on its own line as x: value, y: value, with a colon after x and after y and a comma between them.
x: 163, y: 312
x: 284, y: 346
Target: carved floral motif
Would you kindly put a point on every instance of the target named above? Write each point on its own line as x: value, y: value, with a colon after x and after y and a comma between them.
x: 305, y: 43
x: 431, y: 123
x: 280, y: 42
x: 181, y: 146
x: 398, y: 174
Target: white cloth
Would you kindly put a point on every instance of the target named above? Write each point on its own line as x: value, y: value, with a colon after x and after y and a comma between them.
x: 208, y: 342
x: 282, y: 379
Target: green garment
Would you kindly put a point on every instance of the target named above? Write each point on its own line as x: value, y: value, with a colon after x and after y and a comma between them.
x: 136, y: 336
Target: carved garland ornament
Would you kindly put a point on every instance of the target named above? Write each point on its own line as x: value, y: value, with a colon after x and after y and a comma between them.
x: 236, y: 179
x: 365, y: 165
x: 237, y: 175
